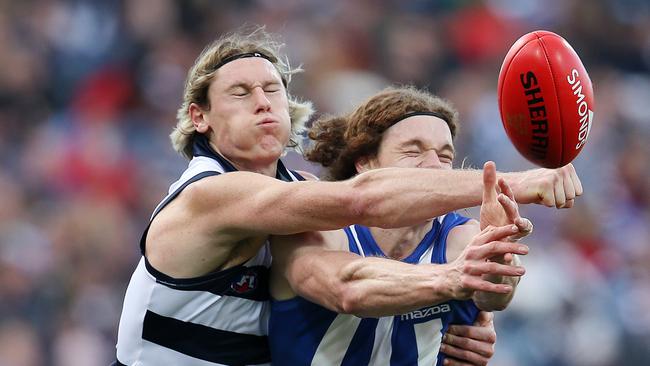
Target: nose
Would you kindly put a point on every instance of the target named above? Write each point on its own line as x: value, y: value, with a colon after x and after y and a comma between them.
x: 262, y: 103
x: 430, y: 160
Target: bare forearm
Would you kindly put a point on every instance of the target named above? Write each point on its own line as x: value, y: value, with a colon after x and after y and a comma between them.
x: 346, y: 283
x: 374, y: 289
x: 397, y: 197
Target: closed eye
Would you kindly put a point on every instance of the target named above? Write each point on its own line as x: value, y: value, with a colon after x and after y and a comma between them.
x: 412, y: 152
x: 239, y: 91
x: 446, y: 157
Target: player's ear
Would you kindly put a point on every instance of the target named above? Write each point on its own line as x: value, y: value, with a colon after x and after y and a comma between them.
x: 197, y: 114
x: 363, y: 164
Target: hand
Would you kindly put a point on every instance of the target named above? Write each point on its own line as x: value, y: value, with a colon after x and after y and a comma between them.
x: 470, y: 344
x: 549, y: 187
x: 499, y: 209
x: 466, y: 272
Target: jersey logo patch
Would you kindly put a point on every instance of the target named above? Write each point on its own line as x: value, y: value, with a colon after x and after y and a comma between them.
x: 426, y: 312
x: 247, y: 282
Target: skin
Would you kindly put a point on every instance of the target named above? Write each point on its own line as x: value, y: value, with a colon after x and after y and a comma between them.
x: 416, y: 142
x: 222, y: 221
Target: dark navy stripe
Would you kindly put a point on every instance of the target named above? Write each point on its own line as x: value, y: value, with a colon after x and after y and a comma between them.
x: 403, y: 343
x: 117, y: 363
x: 205, y: 343
x: 169, y: 199
x: 298, y: 326
x: 295, y: 173
x: 201, y: 147
x: 244, y: 282
x: 181, y: 188
x: 362, y: 343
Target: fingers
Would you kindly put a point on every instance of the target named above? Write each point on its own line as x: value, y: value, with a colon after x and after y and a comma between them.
x: 572, y: 186
x: 489, y: 181
x: 558, y: 191
x: 509, y: 207
x: 525, y: 228
x: 470, y: 343
x: 547, y: 198
x: 484, y: 333
x: 496, y: 248
x: 494, y: 268
x: 505, y: 189
x: 478, y: 284
x: 577, y: 184
x: 483, y: 348
x: 492, y: 233
x: 569, y: 186
x: 462, y: 356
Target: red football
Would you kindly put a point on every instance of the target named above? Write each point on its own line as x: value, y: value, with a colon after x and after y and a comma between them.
x: 546, y: 99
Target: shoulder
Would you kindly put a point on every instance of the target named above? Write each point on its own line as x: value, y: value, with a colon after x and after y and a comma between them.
x: 459, y: 237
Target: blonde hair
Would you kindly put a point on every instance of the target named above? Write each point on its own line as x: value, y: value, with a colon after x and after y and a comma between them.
x: 202, y: 73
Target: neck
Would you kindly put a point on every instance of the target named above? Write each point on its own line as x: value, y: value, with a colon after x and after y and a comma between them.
x: 268, y: 167
x: 401, y: 242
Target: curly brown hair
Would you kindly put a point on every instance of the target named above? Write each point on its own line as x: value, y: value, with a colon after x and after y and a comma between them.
x: 338, y: 142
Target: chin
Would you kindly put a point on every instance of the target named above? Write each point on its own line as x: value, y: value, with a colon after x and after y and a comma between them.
x: 269, y: 154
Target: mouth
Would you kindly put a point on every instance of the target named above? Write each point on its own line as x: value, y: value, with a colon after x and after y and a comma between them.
x: 267, y: 121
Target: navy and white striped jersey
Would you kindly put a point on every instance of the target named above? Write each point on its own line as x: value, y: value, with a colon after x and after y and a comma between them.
x: 217, y: 319
x: 304, y: 333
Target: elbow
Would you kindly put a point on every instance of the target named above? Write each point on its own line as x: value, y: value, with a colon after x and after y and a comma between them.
x: 349, y: 300
x: 348, y: 292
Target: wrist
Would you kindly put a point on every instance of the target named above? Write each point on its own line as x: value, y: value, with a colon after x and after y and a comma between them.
x: 446, y: 283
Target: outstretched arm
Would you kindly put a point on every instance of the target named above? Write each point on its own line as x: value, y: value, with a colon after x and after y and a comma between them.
x: 229, y: 210
x: 388, y: 198
x: 309, y: 265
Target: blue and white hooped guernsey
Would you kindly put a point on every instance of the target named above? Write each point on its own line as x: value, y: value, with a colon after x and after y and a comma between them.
x: 302, y: 333
x: 217, y: 319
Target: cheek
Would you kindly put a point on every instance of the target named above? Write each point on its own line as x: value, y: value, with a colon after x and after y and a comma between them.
x: 402, y: 162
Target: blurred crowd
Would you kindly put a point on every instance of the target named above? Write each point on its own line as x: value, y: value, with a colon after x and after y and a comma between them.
x: 88, y: 95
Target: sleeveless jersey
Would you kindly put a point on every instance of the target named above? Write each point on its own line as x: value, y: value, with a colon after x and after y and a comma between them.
x: 304, y: 333
x: 217, y: 319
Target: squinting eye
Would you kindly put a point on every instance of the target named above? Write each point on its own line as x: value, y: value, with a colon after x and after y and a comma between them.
x: 274, y: 90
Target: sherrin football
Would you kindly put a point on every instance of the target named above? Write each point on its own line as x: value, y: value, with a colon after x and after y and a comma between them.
x: 546, y: 99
